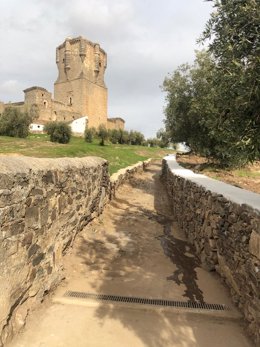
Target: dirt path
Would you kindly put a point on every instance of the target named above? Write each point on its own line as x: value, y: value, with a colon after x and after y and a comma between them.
x: 135, y: 249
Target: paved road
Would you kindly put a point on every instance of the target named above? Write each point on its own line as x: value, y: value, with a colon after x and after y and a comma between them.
x: 135, y: 249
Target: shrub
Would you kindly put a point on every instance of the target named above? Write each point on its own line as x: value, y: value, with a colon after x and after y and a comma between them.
x: 102, y: 134
x: 59, y: 131
x: 14, y: 123
x: 153, y: 142
x: 114, y: 136
x: 123, y: 137
x: 136, y: 138
x: 89, y: 134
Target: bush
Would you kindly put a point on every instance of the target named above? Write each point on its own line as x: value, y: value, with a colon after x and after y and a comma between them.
x: 114, y: 136
x: 59, y: 132
x: 123, y: 137
x: 136, y: 138
x: 153, y: 142
x: 102, y: 134
x: 14, y: 123
x: 89, y: 134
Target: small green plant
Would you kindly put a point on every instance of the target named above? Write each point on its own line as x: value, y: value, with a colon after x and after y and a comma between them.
x: 14, y: 123
x: 89, y: 134
x: 59, y: 132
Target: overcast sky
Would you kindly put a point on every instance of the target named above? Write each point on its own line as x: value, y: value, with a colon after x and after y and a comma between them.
x: 144, y: 40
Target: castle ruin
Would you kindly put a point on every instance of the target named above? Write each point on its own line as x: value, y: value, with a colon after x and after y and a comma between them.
x: 80, y: 93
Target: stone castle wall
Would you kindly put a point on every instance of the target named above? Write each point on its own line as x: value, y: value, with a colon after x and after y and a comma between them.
x: 44, y: 203
x: 63, y: 113
x: 39, y: 100
x: 47, y: 108
x: 223, y: 223
x: 115, y: 123
x: 96, y: 112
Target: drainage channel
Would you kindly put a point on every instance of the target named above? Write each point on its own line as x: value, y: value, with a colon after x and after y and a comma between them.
x: 146, y: 301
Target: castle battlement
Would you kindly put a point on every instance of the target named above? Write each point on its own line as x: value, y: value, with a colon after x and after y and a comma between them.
x: 35, y: 88
x: 80, y: 39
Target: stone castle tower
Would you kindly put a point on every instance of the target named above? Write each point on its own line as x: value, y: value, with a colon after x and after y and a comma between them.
x: 80, y: 83
x: 80, y: 93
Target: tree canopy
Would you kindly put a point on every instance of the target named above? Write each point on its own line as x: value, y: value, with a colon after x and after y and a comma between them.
x: 14, y: 122
x: 213, y: 105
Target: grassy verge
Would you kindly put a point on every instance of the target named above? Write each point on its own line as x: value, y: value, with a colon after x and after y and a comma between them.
x: 39, y: 146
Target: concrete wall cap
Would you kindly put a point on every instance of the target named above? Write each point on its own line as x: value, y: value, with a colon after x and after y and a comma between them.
x: 231, y: 193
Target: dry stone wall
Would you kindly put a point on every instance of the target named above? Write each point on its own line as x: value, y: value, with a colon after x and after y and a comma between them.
x: 44, y: 203
x: 223, y: 223
x: 125, y: 174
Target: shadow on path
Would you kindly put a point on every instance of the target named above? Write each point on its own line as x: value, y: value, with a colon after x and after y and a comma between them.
x: 178, y: 251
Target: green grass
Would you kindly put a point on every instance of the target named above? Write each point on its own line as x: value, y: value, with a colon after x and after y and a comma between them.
x: 247, y: 173
x: 39, y: 146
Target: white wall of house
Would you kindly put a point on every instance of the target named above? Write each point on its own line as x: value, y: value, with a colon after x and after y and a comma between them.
x: 78, y: 125
x: 36, y: 128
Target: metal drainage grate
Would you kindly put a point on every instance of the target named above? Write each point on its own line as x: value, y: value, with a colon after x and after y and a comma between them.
x: 146, y: 301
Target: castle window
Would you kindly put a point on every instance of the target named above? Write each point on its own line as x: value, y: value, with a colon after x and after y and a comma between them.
x: 45, y: 103
x: 70, y: 101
